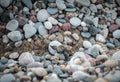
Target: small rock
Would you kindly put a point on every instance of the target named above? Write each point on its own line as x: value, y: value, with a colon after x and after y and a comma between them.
x: 2, y: 67
x: 61, y: 4
x: 34, y: 65
x: 99, y: 6
x: 93, y: 8
x: 7, y: 78
x: 36, y: 58
x: 105, y: 32
x: 28, y: 3
x: 5, y: 39
x: 18, y: 43
x: 85, y: 34
x: 88, y: 20
x: 93, y: 30
x: 12, y: 25
x: 53, y: 20
x: 57, y: 70
x: 75, y: 21
x: 110, y: 45
x: 5, y: 3
x: 75, y: 36
x: 102, y: 57
x: 39, y: 71
x: 117, y: 21
x: 66, y: 26
x: 100, y: 38
x: 95, y: 21
x: 83, y: 24
x: 52, y: 10
x: 42, y: 31
x: 14, y: 55
x: 116, y: 55
x: 29, y: 30
x: 3, y: 60
x: 25, y: 59
x: 79, y: 75
x: 67, y: 40
x: 48, y: 25
x: 113, y: 27
x: 116, y: 34
x: 15, y: 36
x: 54, y: 29
x: 87, y: 44
x: 53, y: 43
x: 67, y: 33
x: 53, y: 78
x: 83, y: 2
x: 42, y: 15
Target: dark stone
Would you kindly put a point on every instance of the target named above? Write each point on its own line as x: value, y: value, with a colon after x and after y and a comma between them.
x: 93, y: 30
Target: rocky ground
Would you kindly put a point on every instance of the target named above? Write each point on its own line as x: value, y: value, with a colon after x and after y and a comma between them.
x: 59, y: 40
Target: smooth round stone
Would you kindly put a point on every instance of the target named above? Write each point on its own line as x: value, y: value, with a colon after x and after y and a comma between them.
x: 101, y: 57
x: 61, y: 16
x: 53, y: 78
x: 75, y: 21
x: 42, y: 15
x: 113, y: 27
x: 5, y: 39
x: 85, y: 34
x: 34, y: 65
x: 83, y: 24
x: 25, y: 59
x: 12, y: 25
x: 5, y: 3
x: 39, y: 71
x: 48, y: 25
x: 52, y: 10
x: 37, y: 25
x: 29, y: 30
x: 18, y: 43
x: 83, y: 2
x: 116, y: 34
x: 99, y: 6
x: 53, y: 43
x: 75, y: 36
x: 20, y: 73
x: 79, y: 75
x: 95, y: 21
x: 4, y: 60
x: 115, y: 77
x: 14, y: 36
x: 53, y: 20
x: 93, y: 30
x: 14, y: 55
x: 62, y: 20
x: 28, y: 3
x: 116, y: 55
x: 110, y: 45
x: 61, y: 56
x: 100, y: 38
x: 61, y: 4
x: 93, y: 8
x: 2, y: 67
x: 88, y: 20
x: 42, y: 31
x: 57, y: 70
x: 117, y: 21
x: 7, y: 78
x: 87, y: 44
x: 70, y: 9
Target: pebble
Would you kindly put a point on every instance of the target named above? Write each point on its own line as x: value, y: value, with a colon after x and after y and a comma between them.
x: 87, y: 44
x: 60, y: 4
x: 88, y: 20
x: 116, y: 55
x: 100, y: 38
x: 4, y: 60
x: 95, y: 21
x: 42, y: 15
x: 34, y: 65
x: 117, y: 21
x: 52, y: 11
x: 29, y: 30
x: 110, y: 45
x: 14, y: 55
x: 5, y: 3
x: 28, y: 3
x: 93, y: 30
x: 39, y: 71
x: 5, y: 39
x: 53, y: 43
x: 57, y: 70
x: 83, y: 24
x: 53, y: 20
x: 113, y: 27
x: 12, y: 25
x: 36, y: 58
x: 25, y: 58
x: 18, y: 43
x: 2, y: 67
x: 93, y: 8
x: 53, y: 78
x: 75, y: 36
x: 42, y: 31
x: 66, y: 26
x: 7, y: 78
x: 67, y: 40
x: 85, y: 34
x: 14, y: 36
x: 101, y: 57
x: 83, y: 2
x: 75, y: 21
x: 79, y: 75
x: 48, y: 25
x: 116, y: 34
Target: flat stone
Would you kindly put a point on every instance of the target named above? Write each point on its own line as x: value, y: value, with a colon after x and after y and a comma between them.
x: 85, y: 34
x: 5, y: 3
x: 48, y: 25
x: 5, y: 39
x: 83, y: 2
x: 116, y: 34
x: 83, y: 24
x: 52, y: 10
x: 113, y: 27
x: 2, y: 67
x: 4, y: 60
x: 57, y: 70
x: 61, y: 4
x: 28, y: 3
x: 87, y: 44
x: 12, y: 25
x: 42, y: 15
x: 100, y: 38
x: 53, y: 20
x: 14, y: 55
x: 88, y: 20
x: 25, y: 59
x: 18, y: 43
x: 75, y: 36
x: 42, y: 31
x: 34, y: 65
x: 93, y: 30
x: 95, y: 21
x: 7, y: 78
x: 75, y: 21
x: 93, y: 8
x: 117, y: 21
x: 116, y: 55
x: 15, y: 36
x: 29, y: 30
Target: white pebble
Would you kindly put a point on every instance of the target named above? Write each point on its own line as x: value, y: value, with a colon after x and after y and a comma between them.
x: 48, y: 25
x: 75, y: 36
x: 83, y: 24
x: 87, y: 44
